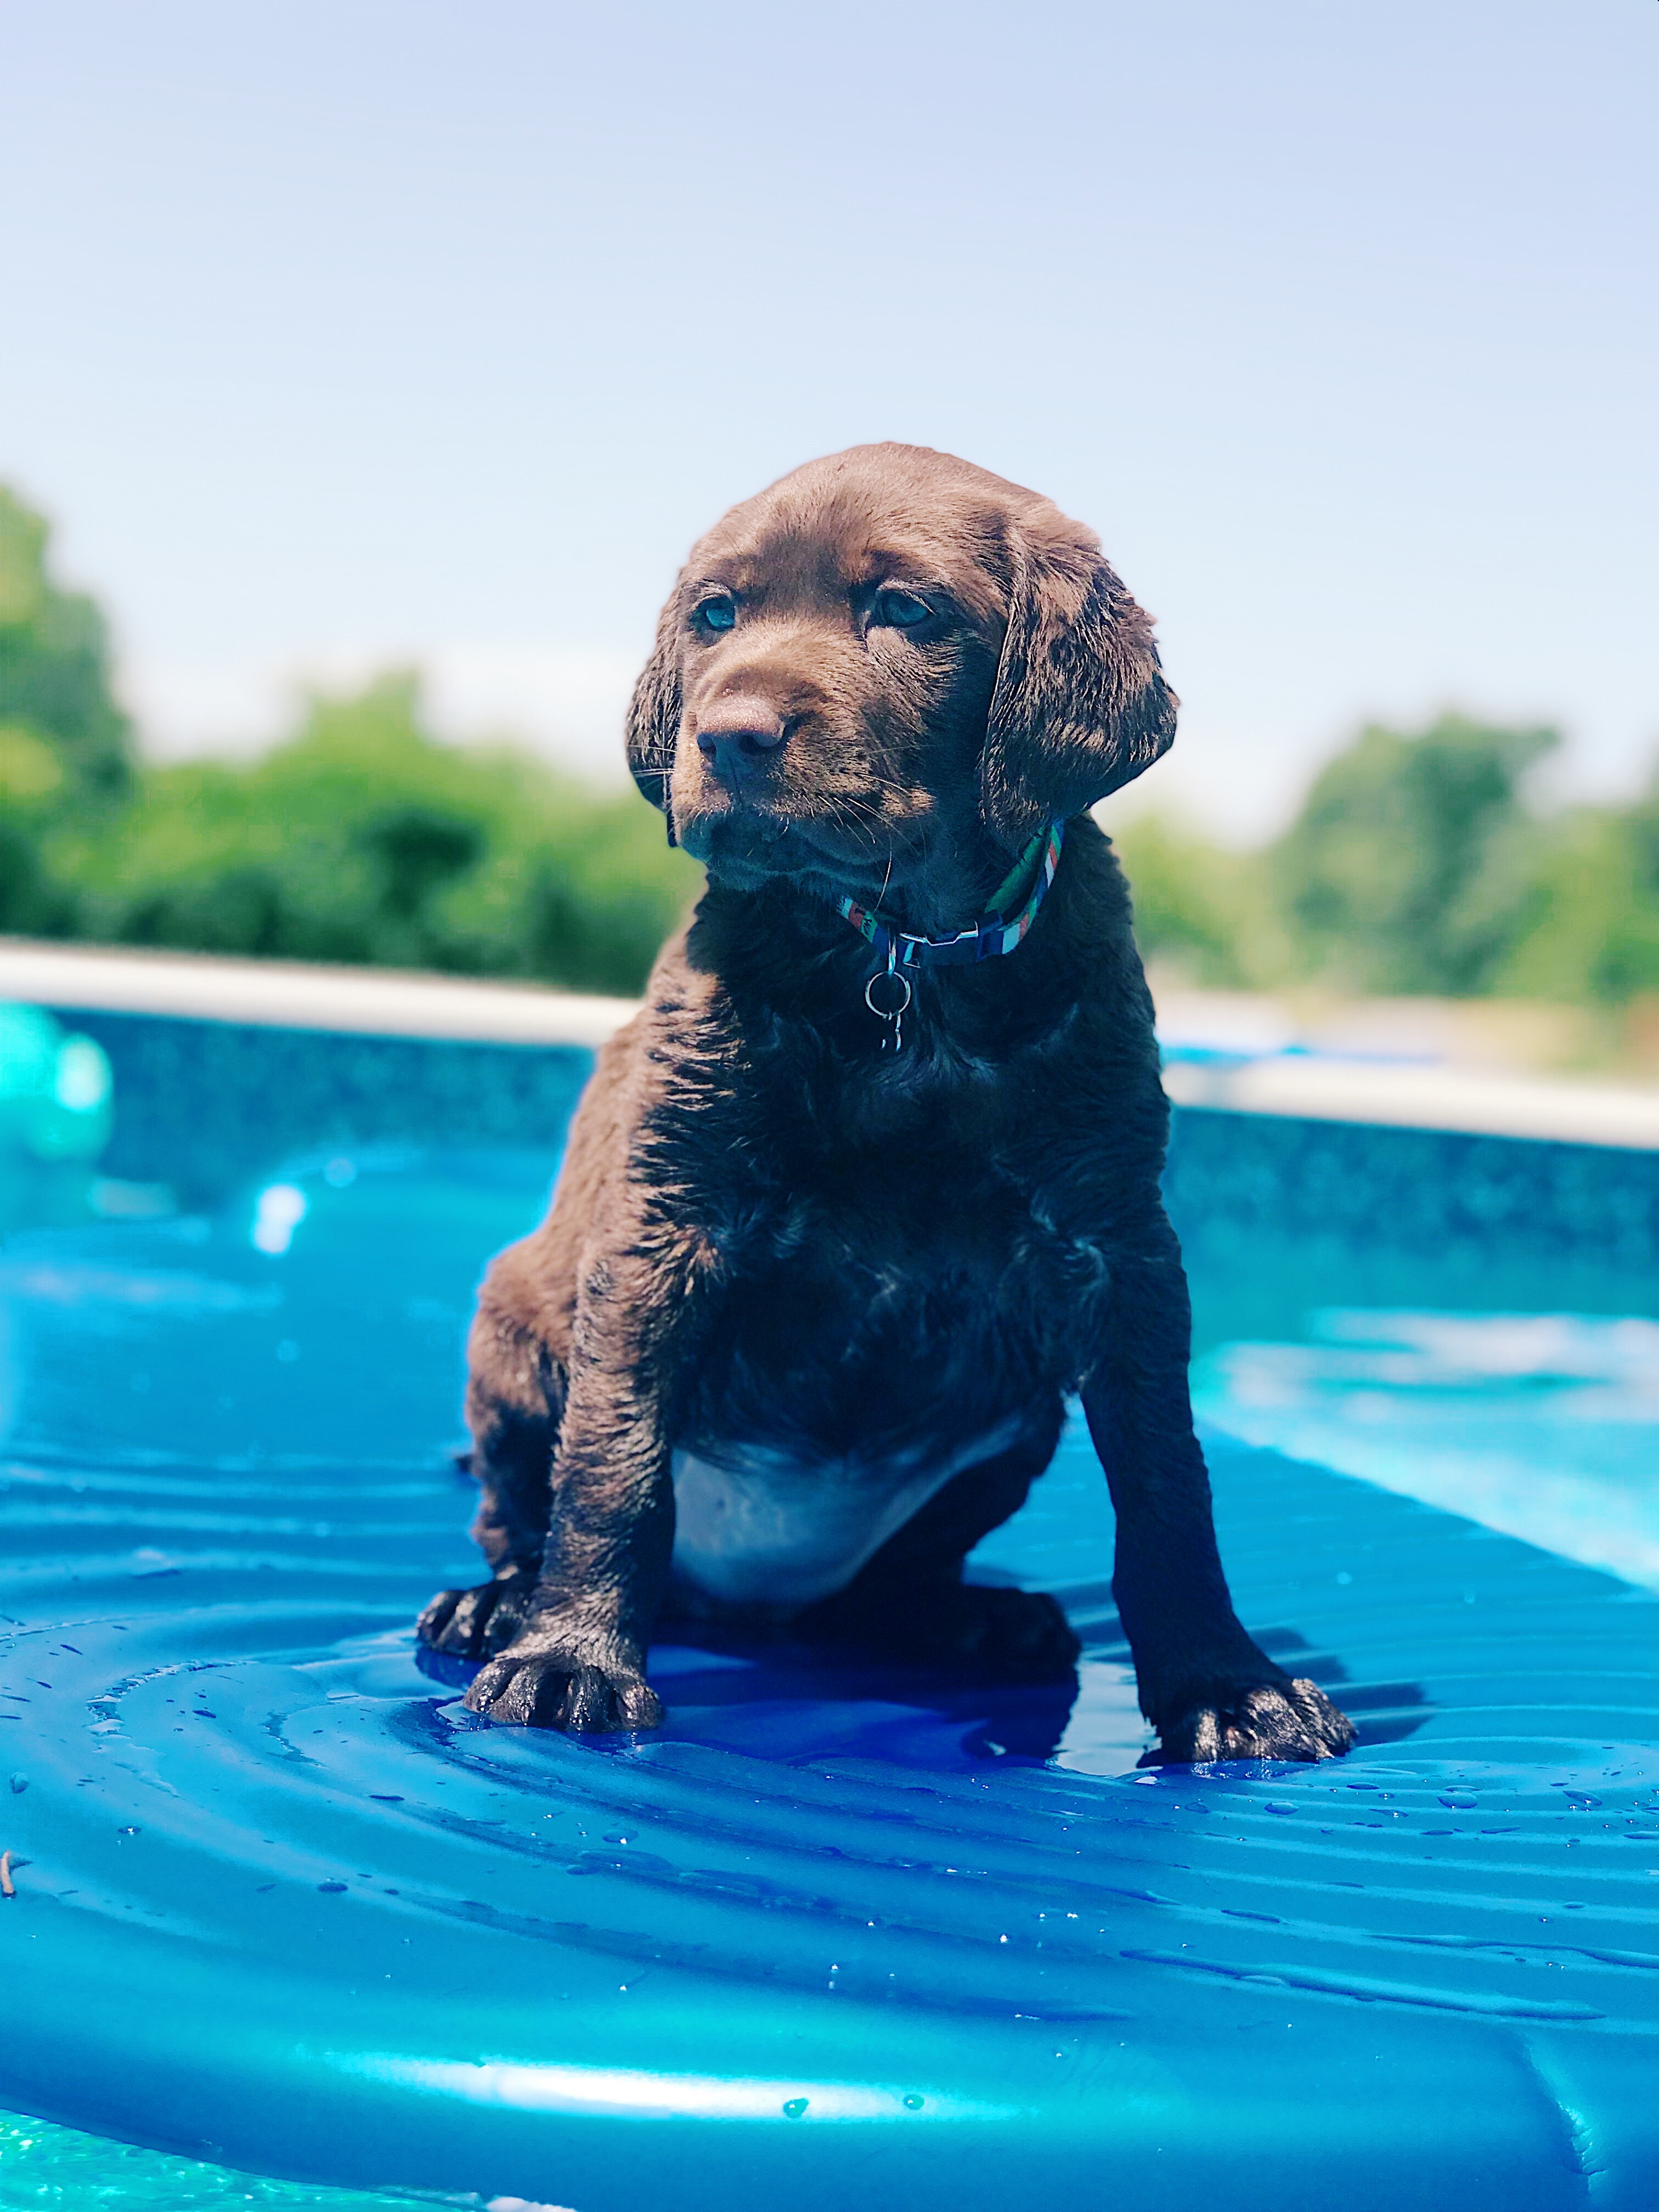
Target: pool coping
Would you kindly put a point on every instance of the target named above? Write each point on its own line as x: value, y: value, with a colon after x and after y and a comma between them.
x: 291, y: 994
x: 1403, y: 1094
x: 395, y: 1002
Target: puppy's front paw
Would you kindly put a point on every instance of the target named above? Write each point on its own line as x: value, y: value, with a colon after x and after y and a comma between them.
x: 544, y: 1682
x: 1262, y: 1720
x: 474, y: 1623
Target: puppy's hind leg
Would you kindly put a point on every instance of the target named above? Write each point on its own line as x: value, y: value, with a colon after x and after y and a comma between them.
x: 910, y: 1602
x: 516, y: 1397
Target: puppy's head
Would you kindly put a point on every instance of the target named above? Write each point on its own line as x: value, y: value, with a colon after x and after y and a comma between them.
x: 885, y: 658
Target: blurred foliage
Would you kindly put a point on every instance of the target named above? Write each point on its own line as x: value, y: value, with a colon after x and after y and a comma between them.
x: 359, y: 839
x: 55, y: 666
x: 1411, y: 865
x: 1416, y: 864
x: 1595, y: 929
x: 1199, y: 907
x: 64, y: 744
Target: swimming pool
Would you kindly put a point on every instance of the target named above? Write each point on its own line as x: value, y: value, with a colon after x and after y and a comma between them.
x: 284, y: 1907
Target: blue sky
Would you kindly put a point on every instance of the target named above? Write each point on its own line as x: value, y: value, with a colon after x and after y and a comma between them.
x: 341, y: 333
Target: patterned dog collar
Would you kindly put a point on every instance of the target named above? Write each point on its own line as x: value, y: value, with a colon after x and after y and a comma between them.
x: 994, y: 932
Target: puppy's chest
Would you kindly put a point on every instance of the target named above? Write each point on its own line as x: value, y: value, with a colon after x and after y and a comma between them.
x: 889, y: 1317
x: 879, y: 1341
x: 914, y: 1224
x: 903, y: 1307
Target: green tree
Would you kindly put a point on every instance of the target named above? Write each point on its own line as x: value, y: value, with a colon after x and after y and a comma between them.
x: 1413, y: 865
x: 1198, y: 907
x: 1595, y: 928
x: 54, y: 661
x: 364, y: 839
x: 63, y: 740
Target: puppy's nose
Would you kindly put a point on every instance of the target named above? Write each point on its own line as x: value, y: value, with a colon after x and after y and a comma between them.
x: 736, y: 735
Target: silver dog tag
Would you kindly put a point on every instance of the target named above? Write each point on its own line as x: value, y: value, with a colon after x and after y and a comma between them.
x: 894, y: 990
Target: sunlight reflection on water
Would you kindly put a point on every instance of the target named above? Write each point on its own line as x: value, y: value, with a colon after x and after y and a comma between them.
x: 1543, y: 1425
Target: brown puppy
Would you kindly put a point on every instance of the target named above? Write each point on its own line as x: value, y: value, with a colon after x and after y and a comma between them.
x: 799, y: 1328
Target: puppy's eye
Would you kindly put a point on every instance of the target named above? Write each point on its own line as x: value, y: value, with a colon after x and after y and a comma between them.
x: 717, y: 612
x: 899, y: 610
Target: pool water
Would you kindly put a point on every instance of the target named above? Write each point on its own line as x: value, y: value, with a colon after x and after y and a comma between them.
x: 285, y: 1909
x: 1541, y: 1425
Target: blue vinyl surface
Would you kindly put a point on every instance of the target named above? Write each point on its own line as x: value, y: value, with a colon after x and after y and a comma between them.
x: 840, y: 1935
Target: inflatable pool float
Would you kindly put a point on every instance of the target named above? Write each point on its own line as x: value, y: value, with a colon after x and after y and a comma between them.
x: 841, y: 1935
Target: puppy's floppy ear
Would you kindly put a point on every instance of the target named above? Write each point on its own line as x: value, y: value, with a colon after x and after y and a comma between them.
x: 1081, y: 705
x: 653, y: 712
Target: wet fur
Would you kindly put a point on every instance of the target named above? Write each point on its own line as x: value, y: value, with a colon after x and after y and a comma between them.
x: 769, y: 1236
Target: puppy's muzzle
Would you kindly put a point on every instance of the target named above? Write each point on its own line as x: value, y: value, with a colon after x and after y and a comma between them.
x: 738, y: 737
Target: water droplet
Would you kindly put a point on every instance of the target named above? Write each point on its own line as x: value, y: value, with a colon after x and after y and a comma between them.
x: 913, y: 2104
x: 331, y: 1888
x: 793, y: 2107
x: 1276, y: 1807
x: 20, y: 1783
x: 1459, y: 1801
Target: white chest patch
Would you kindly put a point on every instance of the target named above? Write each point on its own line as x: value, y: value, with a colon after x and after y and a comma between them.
x: 754, y: 1526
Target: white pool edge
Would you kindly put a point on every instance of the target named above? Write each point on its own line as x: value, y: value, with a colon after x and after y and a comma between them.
x: 290, y: 995
x: 1404, y: 1096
